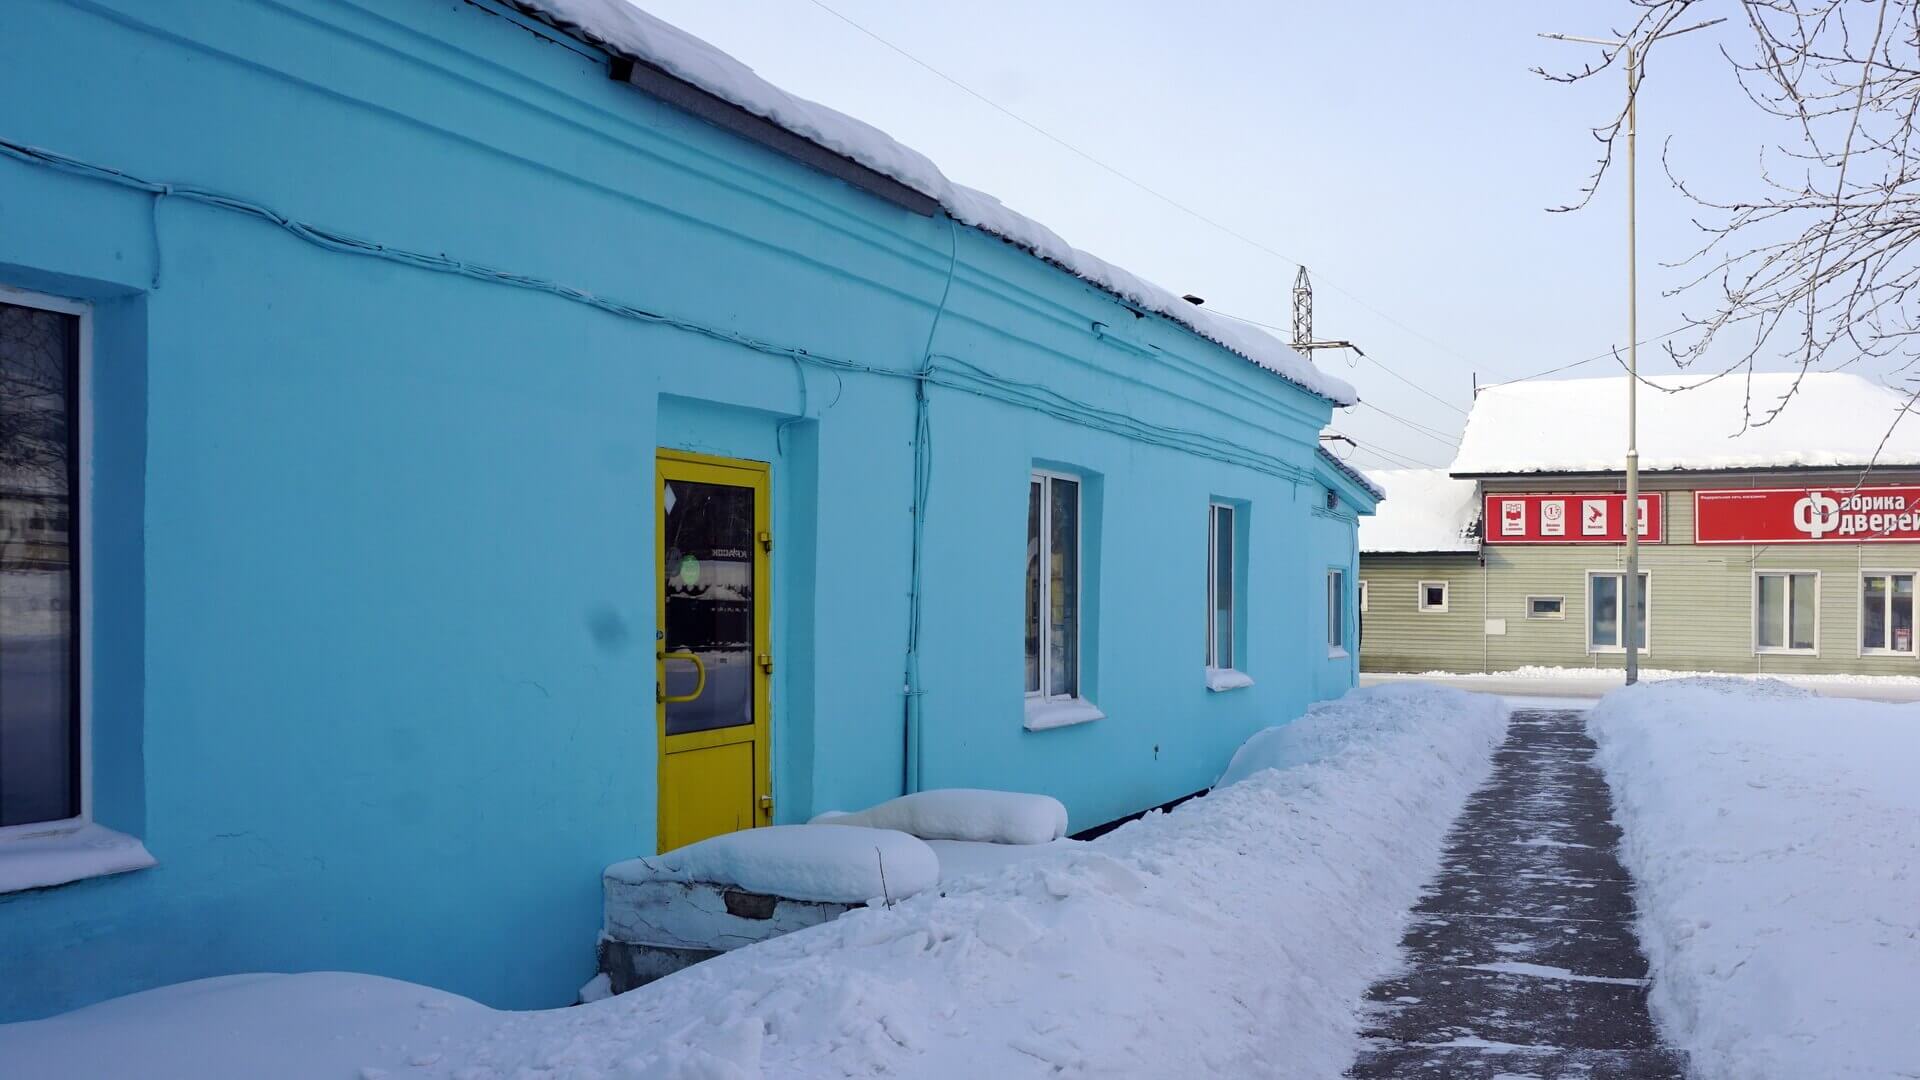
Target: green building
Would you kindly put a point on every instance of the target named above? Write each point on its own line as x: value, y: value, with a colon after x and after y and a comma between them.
x: 1782, y: 542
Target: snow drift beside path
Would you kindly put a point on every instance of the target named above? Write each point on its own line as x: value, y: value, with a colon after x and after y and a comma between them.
x: 1231, y: 937
x: 1775, y: 839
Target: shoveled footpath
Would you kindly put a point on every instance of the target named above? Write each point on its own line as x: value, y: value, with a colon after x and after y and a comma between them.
x: 1522, y: 958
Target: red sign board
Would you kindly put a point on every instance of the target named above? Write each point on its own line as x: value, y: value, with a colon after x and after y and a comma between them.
x: 1597, y: 518
x: 1807, y: 515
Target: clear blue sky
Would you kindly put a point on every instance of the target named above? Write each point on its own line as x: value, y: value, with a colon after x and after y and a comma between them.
x: 1403, y: 151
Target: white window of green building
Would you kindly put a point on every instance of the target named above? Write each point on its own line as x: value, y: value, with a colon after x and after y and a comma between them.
x: 1886, y: 613
x: 1546, y: 607
x: 1786, y: 611
x: 1605, y: 601
x: 1432, y: 596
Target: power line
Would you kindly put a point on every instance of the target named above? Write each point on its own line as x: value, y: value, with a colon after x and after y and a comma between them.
x: 1597, y: 356
x: 1417, y: 428
x: 1393, y: 457
x: 1377, y: 362
x: 1162, y: 196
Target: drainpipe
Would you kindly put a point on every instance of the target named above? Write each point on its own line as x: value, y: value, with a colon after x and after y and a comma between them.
x: 912, y: 740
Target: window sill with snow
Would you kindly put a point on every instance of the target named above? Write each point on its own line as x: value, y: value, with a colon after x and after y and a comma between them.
x: 1220, y: 680
x: 1045, y: 715
x: 59, y: 856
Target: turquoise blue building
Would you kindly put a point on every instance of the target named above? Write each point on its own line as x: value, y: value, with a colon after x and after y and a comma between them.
x: 447, y: 446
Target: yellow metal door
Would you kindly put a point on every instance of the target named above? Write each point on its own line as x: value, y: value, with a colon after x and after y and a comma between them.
x: 713, y: 656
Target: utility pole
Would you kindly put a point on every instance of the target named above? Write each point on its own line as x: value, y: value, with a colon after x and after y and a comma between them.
x: 1631, y: 599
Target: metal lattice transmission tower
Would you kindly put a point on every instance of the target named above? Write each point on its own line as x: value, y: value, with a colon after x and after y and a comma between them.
x: 1302, y: 308
x: 1303, y: 318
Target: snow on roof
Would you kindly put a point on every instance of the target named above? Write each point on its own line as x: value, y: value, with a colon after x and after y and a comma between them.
x: 1425, y: 510
x: 1580, y: 425
x: 620, y: 28
x: 1351, y: 473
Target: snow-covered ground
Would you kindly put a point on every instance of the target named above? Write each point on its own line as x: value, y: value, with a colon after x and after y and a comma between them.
x: 1571, y: 682
x: 1231, y: 937
x: 1775, y: 839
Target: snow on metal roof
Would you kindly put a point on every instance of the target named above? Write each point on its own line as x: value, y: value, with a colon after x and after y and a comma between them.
x: 626, y: 31
x: 1425, y: 511
x: 1366, y: 483
x: 1580, y: 425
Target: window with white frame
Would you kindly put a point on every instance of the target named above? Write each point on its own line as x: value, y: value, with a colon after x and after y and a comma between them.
x: 1053, y: 586
x: 1432, y: 596
x: 1886, y: 613
x: 42, y: 753
x: 1546, y: 607
x: 1786, y: 611
x: 1222, y: 648
x: 1336, y: 612
x: 1363, y: 595
x: 1605, y: 601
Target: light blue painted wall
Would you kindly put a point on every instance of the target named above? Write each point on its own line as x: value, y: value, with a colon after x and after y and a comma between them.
x: 373, y: 545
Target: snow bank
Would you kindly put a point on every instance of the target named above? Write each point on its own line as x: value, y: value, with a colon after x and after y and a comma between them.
x: 802, y: 862
x: 992, y: 817
x: 960, y: 859
x: 1233, y: 936
x: 1424, y: 510
x: 244, y: 1027
x: 1574, y: 425
x: 1775, y: 839
x: 625, y: 30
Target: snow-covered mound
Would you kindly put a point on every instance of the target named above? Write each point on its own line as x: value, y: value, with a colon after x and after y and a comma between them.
x: 1231, y: 937
x: 1774, y: 836
x: 625, y: 30
x: 241, y: 1027
x: 988, y: 817
x: 801, y: 862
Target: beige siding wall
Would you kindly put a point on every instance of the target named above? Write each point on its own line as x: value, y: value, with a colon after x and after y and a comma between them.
x: 1701, y: 614
x: 1397, y: 636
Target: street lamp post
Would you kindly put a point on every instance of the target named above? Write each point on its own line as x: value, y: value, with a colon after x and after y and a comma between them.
x: 1631, y: 599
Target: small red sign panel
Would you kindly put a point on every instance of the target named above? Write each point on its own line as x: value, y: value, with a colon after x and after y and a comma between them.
x: 1835, y: 515
x: 1598, y: 518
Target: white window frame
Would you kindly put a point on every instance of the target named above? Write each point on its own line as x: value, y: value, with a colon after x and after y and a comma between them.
x: 1559, y: 614
x: 80, y: 522
x: 1337, y: 605
x: 1646, y: 646
x: 1362, y: 584
x: 1860, y: 631
x: 1446, y: 597
x: 1045, y: 476
x: 1214, y: 506
x: 1753, y: 614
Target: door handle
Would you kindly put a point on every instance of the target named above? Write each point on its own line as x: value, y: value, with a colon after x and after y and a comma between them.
x: 699, y: 669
